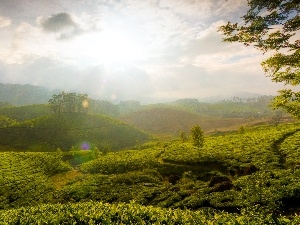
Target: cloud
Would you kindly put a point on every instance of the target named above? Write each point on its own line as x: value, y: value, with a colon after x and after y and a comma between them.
x: 61, y: 23
x: 4, y: 22
x: 58, y: 22
x: 25, y: 42
x: 67, y: 26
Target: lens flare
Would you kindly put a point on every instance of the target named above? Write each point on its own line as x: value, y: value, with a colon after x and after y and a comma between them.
x: 85, y: 104
x: 85, y: 146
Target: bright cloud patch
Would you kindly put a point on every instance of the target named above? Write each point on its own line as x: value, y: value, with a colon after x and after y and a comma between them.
x: 4, y: 22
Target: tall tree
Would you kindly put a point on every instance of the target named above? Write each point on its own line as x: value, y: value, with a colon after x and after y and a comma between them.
x: 69, y: 102
x: 197, y: 136
x: 273, y: 25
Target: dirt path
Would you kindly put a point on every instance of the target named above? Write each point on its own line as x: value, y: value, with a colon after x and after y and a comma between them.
x: 276, y: 147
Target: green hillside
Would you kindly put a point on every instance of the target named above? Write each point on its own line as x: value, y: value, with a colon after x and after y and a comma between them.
x: 27, y: 112
x: 243, y: 177
x: 24, y: 178
x: 71, y: 129
x: 230, y: 172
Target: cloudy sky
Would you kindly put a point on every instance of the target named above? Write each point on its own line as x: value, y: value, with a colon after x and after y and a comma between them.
x: 128, y: 49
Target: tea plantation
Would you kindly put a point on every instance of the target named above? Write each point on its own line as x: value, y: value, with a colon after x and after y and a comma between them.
x: 249, y: 176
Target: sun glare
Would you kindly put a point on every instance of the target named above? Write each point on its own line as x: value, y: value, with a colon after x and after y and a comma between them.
x: 110, y: 47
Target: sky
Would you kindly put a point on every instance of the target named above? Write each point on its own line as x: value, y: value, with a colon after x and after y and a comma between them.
x: 146, y: 50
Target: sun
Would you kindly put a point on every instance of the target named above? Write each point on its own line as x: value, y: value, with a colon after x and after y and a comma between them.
x: 110, y: 47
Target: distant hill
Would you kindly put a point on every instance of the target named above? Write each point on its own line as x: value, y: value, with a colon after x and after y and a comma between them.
x: 18, y: 95
x: 84, y: 131
x: 170, y: 120
x: 236, y: 107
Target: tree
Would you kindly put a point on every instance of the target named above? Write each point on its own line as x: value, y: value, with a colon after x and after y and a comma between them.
x: 69, y: 102
x: 197, y: 136
x: 242, y: 130
x: 271, y: 25
x: 276, y: 118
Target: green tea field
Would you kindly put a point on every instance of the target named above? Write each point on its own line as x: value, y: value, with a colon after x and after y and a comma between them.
x: 253, y: 171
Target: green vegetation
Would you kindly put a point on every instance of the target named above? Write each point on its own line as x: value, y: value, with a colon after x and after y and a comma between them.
x: 6, y: 122
x: 24, y: 113
x: 232, y: 172
x: 69, y: 171
x: 236, y: 107
x: 254, y: 172
x: 24, y: 178
x: 103, y: 213
x: 66, y: 130
x: 69, y: 102
x: 258, y: 30
x: 197, y: 136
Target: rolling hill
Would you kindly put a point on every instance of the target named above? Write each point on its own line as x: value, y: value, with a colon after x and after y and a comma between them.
x: 71, y: 129
x: 26, y: 112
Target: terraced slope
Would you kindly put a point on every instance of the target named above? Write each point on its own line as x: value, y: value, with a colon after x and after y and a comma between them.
x: 24, y: 178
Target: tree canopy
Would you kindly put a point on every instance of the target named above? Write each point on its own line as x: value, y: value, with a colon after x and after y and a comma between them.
x: 273, y: 25
x: 197, y: 136
x: 69, y: 102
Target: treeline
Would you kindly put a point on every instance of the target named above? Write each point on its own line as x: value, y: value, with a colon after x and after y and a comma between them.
x: 69, y: 102
x: 232, y: 108
x: 81, y: 103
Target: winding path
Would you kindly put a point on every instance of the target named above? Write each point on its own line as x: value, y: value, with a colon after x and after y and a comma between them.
x: 276, y: 147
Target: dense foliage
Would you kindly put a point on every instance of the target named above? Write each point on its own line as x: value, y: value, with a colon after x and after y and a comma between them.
x: 103, y: 213
x: 273, y: 26
x: 69, y: 102
x: 197, y: 136
x: 24, y: 178
x: 24, y: 113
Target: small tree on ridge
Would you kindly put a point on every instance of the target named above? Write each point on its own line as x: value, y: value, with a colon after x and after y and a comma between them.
x: 197, y: 136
